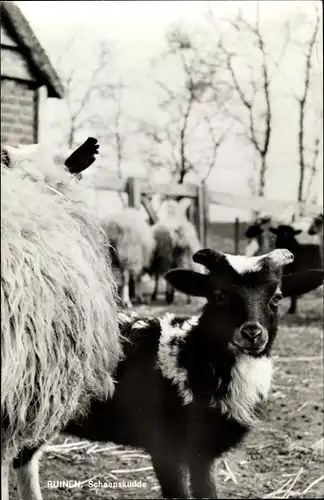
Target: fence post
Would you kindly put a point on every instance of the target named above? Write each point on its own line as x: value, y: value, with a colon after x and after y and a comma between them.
x: 134, y: 192
x: 205, y: 202
x: 149, y: 209
x: 134, y: 201
x: 237, y: 236
x: 200, y: 214
x: 192, y: 213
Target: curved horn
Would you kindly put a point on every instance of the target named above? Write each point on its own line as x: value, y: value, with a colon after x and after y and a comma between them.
x: 280, y: 257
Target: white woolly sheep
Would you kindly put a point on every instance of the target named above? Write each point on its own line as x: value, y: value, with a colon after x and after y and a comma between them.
x: 132, y: 244
x: 59, y: 331
x: 176, y: 242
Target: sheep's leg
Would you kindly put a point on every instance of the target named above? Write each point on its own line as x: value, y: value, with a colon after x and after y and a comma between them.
x: 139, y: 293
x: 125, y: 289
x: 171, y: 476
x: 156, y: 287
x: 132, y: 286
x: 293, y: 305
x: 5, y: 480
x: 201, y: 478
x: 27, y: 468
x: 169, y: 295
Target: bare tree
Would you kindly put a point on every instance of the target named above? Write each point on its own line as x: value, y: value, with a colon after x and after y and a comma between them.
x: 314, y: 168
x: 216, y: 141
x: 112, y: 127
x: 116, y: 128
x: 82, y: 80
x: 255, y: 110
x: 119, y: 138
x: 186, y: 110
x: 308, y: 157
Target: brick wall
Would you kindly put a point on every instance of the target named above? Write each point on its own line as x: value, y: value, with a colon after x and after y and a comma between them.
x: 18, y: 112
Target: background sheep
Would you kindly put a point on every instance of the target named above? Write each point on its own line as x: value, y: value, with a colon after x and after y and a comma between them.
x: 176, y: 242
x: 306, y: 256
x: 162, y: 260
x: 316, y: 227
x: 59, y: 332
x: 260, y: 239
x: 132, y: 245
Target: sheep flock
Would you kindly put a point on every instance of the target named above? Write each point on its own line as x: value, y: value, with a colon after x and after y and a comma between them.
x: 66, y: 275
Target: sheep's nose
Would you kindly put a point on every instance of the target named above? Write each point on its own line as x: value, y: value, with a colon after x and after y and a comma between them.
x: 251, y: 331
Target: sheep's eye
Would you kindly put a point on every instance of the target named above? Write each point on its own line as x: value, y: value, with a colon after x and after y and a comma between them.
x: 220, y: 297
x: 276, y: 299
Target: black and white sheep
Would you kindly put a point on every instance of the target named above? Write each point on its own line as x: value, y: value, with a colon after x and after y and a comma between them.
x: 306, y: 256
x: 189, y: 389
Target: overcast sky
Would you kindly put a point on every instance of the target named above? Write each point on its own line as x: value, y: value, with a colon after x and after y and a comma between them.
x: 138, y: 28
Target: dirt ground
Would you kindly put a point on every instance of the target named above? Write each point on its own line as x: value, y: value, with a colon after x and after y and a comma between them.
x: 275, y: 461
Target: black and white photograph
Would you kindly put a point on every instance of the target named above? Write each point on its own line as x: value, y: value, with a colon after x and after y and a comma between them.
x: 162, y: 249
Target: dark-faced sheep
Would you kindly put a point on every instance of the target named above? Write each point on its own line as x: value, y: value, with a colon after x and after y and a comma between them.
x: 189, y: 389
x: 306, y: 256
x: 59, y: 331
x: 259, y: 238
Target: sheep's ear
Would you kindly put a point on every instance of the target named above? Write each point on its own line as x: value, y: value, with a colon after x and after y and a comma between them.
x: 297, y: 231
x: 83, y: 156
x: 273, y: 230
x: 189, y: 282
x: 300, y: 283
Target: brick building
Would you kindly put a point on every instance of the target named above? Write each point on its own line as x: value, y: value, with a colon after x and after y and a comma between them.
x: 27, y: 79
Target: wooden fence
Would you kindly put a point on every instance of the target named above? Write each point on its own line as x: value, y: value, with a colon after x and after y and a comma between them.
x: 140, y: 191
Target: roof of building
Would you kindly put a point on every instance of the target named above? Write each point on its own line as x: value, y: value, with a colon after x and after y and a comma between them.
x: 19, y: 28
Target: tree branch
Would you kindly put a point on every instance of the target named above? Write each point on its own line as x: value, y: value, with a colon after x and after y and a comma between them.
x: 216, y: 145
x: 302, y: 106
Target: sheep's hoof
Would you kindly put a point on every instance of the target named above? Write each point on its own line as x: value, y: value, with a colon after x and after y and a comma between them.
x: 128, y: 304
